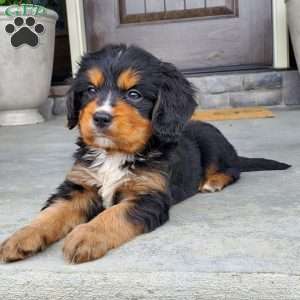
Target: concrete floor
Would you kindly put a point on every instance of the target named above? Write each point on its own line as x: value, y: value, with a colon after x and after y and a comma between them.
x: 242, y: 243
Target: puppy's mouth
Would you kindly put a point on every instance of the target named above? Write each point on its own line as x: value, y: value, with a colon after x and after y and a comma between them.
x: 103, y: 140
x: 102, y: 136
x: 100, y: 132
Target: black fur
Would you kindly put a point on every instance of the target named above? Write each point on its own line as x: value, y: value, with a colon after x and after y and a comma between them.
x: 95, y: 208
x: 174, y: 106
x: 260, y: 164
x: 81, y: 154
x: 64, y: 191
x: 73, y: 107
x: 151, y: 210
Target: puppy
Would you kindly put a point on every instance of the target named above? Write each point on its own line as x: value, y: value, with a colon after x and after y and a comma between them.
x: 138, y: 154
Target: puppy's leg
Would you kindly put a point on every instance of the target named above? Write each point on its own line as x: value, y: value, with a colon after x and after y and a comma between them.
x: 115, y: 226
x: 64, y: 211
x: 216, y: 181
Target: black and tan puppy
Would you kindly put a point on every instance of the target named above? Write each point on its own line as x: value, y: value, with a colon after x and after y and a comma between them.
x: 137, y: 155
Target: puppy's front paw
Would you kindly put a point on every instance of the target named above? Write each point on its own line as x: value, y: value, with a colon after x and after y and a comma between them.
x: 24, y: 243
x: 84, y: 244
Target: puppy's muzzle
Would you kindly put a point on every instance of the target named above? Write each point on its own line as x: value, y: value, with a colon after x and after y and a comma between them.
x: 102, y: 119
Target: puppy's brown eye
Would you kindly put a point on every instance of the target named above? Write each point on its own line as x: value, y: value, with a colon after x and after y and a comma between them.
x: 134, y: 95
x: 92, y: 90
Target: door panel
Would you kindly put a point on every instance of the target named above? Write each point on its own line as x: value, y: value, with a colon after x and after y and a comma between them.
x: 152, y: 6
x: 137, y: 11
x: 195, y: 3
x: 192, y: 34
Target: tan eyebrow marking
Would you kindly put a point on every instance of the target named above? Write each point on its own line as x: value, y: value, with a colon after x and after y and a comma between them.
x: 128, y: 79
x: 95, y: 77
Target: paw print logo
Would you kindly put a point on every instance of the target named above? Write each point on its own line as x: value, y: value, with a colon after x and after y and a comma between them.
x: 24, y: 31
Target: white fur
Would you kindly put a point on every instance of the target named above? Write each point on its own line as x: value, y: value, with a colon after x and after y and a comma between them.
x: 106, y: 104
x: 109, y: 173
x: 208, y: 188
x: 106, y: 107
x: 104, y: 142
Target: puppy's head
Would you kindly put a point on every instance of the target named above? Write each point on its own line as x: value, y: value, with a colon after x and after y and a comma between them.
x: 122, y: 96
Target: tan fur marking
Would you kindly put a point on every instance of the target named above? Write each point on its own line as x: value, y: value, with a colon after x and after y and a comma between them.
x: 128, y: 79
x: 209, y: 171
x: 86, y: 122
x: 108, y: 230
x: 58, y: 219
x: 51, y: 224
x: 82, y: 176
x: 95, y: 77
x: 129, y: 130
x: 144, y: 182
x: 216, y: 182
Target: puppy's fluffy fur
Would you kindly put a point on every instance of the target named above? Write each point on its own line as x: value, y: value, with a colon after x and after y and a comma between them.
x: 138, y: 154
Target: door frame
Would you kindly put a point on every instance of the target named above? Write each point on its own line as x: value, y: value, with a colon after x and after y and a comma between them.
x: 78, y: 44
x: 281, y: 49
x: 76, y: 28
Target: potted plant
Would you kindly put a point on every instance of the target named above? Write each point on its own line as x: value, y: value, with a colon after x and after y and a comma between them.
x: 293, y: 14
x: 27, y: 34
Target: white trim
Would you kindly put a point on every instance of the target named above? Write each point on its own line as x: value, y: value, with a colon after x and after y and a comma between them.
x: 77, y: 35
x: 280, y: 35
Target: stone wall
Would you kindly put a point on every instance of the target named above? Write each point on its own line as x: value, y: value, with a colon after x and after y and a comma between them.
x: 248, y: 89
x: 267, y: 88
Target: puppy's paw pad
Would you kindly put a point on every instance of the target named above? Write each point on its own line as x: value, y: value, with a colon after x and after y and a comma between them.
x: 22, y: 244
x: 84, y: 244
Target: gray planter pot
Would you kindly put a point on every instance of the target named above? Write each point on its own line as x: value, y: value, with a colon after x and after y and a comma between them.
x: 293, y: 11
x: 26, y: 61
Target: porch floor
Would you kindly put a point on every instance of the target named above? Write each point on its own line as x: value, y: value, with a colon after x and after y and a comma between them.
x: 241, y: 243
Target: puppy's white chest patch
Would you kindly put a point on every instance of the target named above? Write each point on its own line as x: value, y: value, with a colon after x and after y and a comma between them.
x: 110, y: 172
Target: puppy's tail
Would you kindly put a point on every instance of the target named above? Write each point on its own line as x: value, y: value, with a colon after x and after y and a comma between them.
x: 260, y: 164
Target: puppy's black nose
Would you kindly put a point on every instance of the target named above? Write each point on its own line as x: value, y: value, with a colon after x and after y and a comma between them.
x: 102, y: 119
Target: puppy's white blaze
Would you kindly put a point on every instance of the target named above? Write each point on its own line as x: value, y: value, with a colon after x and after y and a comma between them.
x: 110, y: 173
x: 106, y: 106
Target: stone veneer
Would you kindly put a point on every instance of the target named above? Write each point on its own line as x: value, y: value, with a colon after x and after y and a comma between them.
x: 267, y: 88
x: 259, y: 88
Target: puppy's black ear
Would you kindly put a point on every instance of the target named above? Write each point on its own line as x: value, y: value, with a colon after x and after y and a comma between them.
x: 175, y: 104
x: 72, y: 108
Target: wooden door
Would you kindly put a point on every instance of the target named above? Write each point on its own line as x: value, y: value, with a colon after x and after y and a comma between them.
x: 192, y: 34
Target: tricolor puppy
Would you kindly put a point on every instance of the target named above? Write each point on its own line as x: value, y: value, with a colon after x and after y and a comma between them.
x: 138, y: 154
